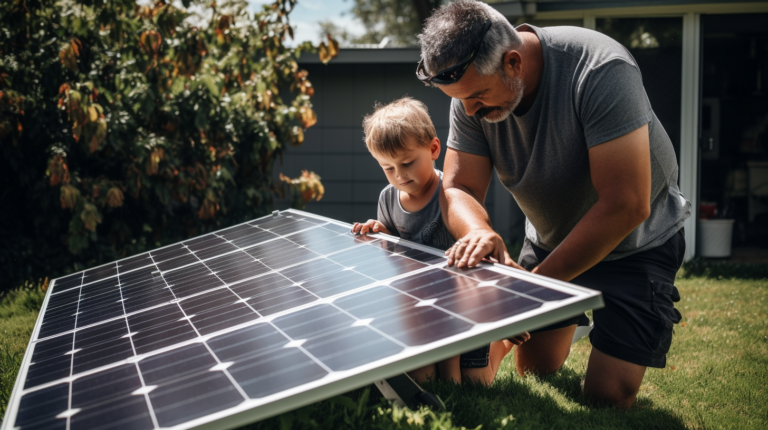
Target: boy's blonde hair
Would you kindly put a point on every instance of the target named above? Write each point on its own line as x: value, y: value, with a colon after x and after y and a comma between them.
x: 388, y: 128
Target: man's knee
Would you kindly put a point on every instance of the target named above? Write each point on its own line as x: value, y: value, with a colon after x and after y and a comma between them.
x: 611, y: 381
x: 618, y: 395
x: 545, y: 352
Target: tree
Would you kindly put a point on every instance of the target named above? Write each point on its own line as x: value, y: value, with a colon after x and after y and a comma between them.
x: 400, y: 20
x: 127, y: 127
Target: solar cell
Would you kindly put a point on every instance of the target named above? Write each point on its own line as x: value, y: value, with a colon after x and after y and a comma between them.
x: 256, y: 319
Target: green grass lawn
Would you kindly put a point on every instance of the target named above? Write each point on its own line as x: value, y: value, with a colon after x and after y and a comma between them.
x: 716, y: 376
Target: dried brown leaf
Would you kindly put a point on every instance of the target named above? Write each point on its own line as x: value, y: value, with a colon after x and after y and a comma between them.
x: 307, y: 116
x: 68, y: 196
x: 323, y: 54
x: 90, y: 216
x: 153, y: 162
x: 114, y: 197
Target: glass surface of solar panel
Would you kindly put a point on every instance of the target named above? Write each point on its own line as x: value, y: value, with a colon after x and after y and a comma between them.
x: 231, y: 326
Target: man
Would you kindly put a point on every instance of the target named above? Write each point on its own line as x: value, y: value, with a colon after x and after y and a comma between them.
x: 562, y: 115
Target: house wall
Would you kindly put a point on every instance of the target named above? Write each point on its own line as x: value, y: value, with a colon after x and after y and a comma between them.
x: 334, y: 147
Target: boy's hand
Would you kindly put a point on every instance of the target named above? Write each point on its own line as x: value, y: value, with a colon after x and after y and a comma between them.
x: 519, y: 339
x: 371, y: 226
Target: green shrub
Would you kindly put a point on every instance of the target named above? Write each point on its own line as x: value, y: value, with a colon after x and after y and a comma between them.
x: 127, y: 127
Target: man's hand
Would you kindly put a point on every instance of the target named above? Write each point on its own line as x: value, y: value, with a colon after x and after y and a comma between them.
x: 465, y: 181
x: 471, y: 249
x: 371, y: 225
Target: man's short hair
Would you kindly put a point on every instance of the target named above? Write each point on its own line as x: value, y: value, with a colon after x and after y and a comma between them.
x: 453, y: 30
x: 388, y: 128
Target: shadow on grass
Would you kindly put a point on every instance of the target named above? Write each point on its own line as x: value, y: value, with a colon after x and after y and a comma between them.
x: 553, y: 401
x: 511, y: 402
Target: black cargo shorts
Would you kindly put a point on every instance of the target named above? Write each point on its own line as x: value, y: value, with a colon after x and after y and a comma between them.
x: 636, y: 324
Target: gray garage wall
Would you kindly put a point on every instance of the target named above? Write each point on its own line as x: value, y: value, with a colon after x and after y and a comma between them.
x: 334, y: 147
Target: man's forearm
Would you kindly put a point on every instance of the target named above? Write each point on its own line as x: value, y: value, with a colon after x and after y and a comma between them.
x: 462, y: 212
x: 601, y: 229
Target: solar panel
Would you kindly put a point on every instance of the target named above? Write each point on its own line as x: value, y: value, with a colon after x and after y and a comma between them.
x: 257, y: 319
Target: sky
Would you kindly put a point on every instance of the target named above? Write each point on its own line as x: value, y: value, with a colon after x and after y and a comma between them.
x: 308, y: 13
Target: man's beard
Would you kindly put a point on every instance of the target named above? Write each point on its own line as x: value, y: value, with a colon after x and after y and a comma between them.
x: 517, y: 86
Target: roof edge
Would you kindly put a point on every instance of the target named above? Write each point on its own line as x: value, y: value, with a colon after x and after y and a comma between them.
x: 368, y: 56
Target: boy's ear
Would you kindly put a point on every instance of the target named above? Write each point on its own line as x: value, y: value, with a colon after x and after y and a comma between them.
x: 434, y: 147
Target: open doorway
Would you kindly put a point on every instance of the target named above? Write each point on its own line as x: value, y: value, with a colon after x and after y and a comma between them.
x: 734, y: 131
x: 656, y: 43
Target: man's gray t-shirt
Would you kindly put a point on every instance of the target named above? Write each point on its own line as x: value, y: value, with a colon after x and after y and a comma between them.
x: 425, y: 226
x: 590, y: 92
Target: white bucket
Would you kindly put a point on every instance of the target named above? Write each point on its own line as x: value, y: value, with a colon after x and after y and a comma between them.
x: 716, y: 237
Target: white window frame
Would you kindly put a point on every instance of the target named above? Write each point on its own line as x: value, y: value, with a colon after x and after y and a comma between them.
x: 689, y: 125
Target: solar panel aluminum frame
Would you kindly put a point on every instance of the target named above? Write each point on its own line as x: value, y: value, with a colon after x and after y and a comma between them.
x: 339, y: 382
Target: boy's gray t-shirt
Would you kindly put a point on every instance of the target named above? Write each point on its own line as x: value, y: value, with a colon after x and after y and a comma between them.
x: 590, y: 92
x: 425, y: 226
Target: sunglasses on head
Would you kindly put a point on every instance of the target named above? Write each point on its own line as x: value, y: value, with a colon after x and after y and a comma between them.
x: 454, y: 73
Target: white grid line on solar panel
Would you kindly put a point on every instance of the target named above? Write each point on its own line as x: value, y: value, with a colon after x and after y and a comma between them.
x: 278, y: 269
x: 323, y: 384
x: 79, y: 414
x: 150, y: 409
x: 224, y: 331
x: 318, y: 362
x: 111, y: 400
x: 446, y: 309
x: 442, y: 302
x: 516, y: 291
x: 367, y: 321
x: 72, y: 356
x: 213, y: 257
x: 432, y: 303
x: 203, y: 291
x: 350, y: 293
x: 110, y: 266
x: 385, y: 283
x: 224, y: 370
x: 38, y: 326
x: 311, y: 304
x: 249, y: 245
x: 83, y: 375
x: 139, y: 311
x: 267, y: 401
x: 170, y: 248
x: 137, y: 269
x: 246, y: 249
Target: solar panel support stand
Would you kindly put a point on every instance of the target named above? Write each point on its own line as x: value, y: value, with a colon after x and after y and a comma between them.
x: 405, y: 392
x: 581, y: 331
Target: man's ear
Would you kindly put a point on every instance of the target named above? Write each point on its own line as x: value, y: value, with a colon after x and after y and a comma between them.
x: 513, y: 63
x: 434, y: 147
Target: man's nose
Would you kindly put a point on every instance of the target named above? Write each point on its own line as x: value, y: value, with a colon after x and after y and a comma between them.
x: 471, y: 107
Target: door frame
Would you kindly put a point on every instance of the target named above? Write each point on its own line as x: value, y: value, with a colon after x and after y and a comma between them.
x: 690, y: 109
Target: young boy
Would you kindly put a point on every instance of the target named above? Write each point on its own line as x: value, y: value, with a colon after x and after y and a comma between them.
x: 401, y: 137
